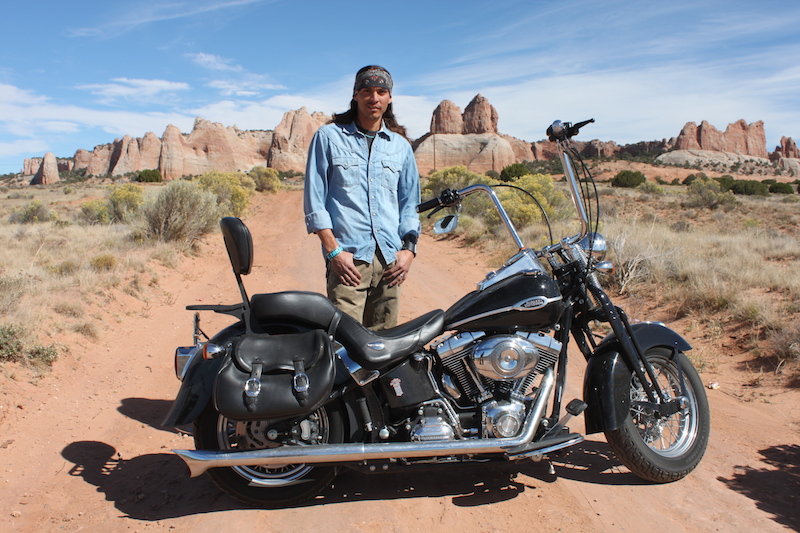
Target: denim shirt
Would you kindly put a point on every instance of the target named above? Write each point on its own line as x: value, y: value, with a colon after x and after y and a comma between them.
x: 367, y: 199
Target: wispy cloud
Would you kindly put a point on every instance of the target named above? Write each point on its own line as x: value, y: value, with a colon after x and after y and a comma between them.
x: 237, y: 82
x: 134, y: 89
x: 143, y: 12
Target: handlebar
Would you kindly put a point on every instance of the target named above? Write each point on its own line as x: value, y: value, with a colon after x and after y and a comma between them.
x: 561, y: 131
x: 449, y: 197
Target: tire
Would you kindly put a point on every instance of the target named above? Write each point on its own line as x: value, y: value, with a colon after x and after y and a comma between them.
x: 267, y: 487
x: 665, y: 449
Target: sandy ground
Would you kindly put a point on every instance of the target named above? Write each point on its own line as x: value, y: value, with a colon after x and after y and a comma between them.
x: 82, y: 449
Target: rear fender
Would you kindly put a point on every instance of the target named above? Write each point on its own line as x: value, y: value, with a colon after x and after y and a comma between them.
x: 198, y: 382
x: 606, y: 386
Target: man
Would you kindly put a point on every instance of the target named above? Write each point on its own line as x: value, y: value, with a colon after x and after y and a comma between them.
x: 361, y: 192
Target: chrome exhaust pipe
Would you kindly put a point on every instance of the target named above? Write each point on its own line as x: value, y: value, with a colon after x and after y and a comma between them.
x: 201, y: 460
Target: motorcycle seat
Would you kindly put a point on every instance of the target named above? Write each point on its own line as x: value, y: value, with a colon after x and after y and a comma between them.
x: 373, y: 350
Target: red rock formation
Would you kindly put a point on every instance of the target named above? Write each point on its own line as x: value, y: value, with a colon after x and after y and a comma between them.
x: 447, y: 118
x: 479, y: 152
x: 289, y: 147
x: 480, y: 116
x: 787, y: 149
x: 48, y: 171
x: 739, y: 137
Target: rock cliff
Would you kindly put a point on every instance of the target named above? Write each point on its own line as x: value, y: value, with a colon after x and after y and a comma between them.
x: 48, y: 171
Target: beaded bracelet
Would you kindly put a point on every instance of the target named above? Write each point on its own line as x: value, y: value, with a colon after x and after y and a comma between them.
x: 333, y: 253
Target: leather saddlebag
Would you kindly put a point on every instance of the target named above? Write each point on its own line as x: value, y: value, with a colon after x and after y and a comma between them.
x: 275, y: 376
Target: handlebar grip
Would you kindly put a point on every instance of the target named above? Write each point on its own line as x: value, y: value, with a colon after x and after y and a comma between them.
x: 428, y: 205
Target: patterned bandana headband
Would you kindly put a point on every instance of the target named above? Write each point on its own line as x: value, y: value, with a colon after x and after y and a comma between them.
x: 373, y: 77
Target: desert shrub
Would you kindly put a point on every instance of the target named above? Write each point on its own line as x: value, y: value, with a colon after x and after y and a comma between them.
x: 495, y: 175
x: 11, y: 345
x: 124, y: 201
x: 651, y: 188
x: 34, y: 211
x: 749, y: 188
x: 628, y: 178
x: 781, y: 188
x: 266, y: 179
x: 64, y: 268
x: 708, y: 194
x: 150, y: 176
x: 784, y: 343
x: 232, y: 197
x: 95, y: 212
x: 182, y: 211
x: 103, y: 262
x: 513, y: 172
x: 11, y: 289
x: 15, y: 347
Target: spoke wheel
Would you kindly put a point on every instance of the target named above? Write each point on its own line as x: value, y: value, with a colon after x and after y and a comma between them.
x: 274, y: 486
x: 664, y: 448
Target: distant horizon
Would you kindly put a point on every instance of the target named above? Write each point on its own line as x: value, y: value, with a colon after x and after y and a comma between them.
x: 770, y: 151
x: 97, y: 70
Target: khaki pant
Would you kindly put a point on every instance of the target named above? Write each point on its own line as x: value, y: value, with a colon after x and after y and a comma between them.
x: 372, y: 302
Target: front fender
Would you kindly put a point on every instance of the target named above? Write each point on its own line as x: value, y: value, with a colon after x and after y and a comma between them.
x: 606, y: 385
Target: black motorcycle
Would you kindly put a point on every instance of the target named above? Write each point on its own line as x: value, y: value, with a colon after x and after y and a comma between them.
x: 295, y: 390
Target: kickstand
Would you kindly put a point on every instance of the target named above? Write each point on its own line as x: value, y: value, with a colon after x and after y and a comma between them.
x: 550, y: 468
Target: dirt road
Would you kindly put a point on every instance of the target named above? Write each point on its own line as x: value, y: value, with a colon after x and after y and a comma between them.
x: 82, y: 448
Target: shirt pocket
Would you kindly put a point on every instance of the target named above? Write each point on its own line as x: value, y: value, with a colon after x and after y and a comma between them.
x: 346, y: 171
x: 390, y: 173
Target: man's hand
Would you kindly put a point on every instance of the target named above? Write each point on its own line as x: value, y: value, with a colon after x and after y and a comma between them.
x: 398, y: 273
x: 344, y: 267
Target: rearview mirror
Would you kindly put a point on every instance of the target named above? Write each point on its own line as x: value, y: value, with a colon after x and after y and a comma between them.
x: 446, y: 224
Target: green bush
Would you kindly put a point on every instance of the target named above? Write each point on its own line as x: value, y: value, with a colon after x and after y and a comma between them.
x: 11, y: 345
x: 232, y: 196
x: 726, y: 181
x: 266, y: 179
x: 628, y: 179
x: 124, y: 201
x: 182, y: 211
x: 34, y: 211
x: 150, y: 176
x: 513, y: 172
x: 781, y: 188
x: 495, y: 175
x: 103, y: 262
x: 95, y: 212
x: 750, y: 188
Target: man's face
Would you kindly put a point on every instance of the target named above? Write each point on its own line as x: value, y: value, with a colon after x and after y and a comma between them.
x: 372, y: 103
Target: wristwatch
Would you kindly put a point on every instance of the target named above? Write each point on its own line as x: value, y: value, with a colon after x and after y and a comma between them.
x: 410, y: 243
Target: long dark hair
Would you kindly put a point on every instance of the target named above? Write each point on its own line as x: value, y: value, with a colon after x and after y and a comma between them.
x: 388, y: 118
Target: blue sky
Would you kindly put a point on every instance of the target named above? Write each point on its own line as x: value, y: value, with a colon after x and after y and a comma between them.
x: 78, y: 74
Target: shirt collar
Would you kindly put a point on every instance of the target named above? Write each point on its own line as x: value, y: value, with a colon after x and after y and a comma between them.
x: 352, y: 129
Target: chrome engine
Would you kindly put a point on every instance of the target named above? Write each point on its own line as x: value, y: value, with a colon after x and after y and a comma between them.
x: 496, y: 373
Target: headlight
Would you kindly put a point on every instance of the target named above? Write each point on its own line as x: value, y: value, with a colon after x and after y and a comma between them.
x: 595, y: 243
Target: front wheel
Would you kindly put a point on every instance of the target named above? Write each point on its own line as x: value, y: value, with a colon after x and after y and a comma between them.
x: 270, y: 487
x: 664, y: 449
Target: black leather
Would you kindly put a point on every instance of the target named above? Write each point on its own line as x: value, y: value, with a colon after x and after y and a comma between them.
x: 271, y: 360
x: 239, y: 244
x: 373, y: 350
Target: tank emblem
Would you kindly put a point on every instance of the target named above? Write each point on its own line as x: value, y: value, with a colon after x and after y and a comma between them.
x: 534, y: 303
x: 396, y: 385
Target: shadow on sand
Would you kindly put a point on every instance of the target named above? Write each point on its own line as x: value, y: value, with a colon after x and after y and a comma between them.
x: 774, y: 490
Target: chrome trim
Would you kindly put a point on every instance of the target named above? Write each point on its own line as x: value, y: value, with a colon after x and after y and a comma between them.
x: 515, y: 307
x: 361, y: 375
x: 524, y: 261
x: 201, y: 460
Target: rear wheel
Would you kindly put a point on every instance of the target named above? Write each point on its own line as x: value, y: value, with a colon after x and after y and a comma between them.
x: 270, y: 487
x: 666, y: 448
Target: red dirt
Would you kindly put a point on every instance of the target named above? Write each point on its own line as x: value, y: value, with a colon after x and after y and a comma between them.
x: 81, y: 449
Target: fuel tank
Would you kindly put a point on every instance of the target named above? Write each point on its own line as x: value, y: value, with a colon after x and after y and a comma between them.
x: 525, y: 300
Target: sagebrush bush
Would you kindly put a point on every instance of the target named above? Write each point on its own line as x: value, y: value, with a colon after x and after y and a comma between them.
x: 125, y: 201
x: 232, y: 195
x: 103, y: 262
x: 95, y: 212
x: 34, y: 211
x: 15, y: 348
x: 708, y: 194
x: 649, y: 187
x: 182, y: 211
x: 266, y: 179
